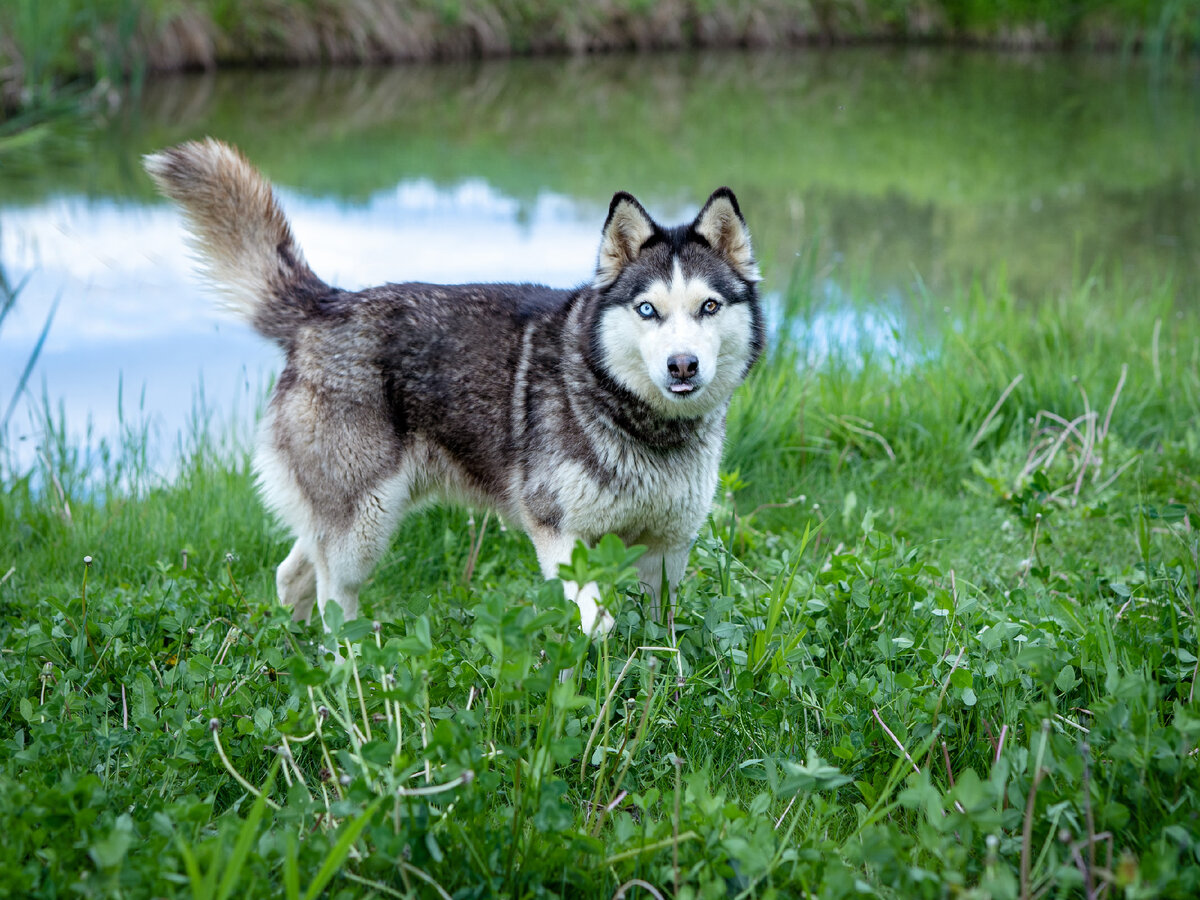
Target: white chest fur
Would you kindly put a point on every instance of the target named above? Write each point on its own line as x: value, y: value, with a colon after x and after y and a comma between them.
x: 656, y: 499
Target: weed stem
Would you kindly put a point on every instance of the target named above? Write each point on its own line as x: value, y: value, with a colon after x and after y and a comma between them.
x: 896, y: 741
x: 987, y: 420
x: 637, y: 882
x: 214, y: 726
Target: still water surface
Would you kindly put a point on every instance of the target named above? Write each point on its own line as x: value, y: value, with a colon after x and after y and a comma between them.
x: 913, y: 171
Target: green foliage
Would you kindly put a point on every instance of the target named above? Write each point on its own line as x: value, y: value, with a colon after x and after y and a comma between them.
x: 940, y: 637
x: 51, y: 42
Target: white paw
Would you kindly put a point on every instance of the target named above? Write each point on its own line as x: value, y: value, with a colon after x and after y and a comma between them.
x: 601, y: 623
x: 326, y: 647
x: 594, y: 619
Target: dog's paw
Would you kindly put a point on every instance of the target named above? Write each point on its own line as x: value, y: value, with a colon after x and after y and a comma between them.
x: 594, y: 619
x: 604, y: 623
x: 327, y: 648
x: 596, y: 622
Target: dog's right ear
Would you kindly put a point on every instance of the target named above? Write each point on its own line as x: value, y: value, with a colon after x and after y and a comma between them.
x: 626, y: 231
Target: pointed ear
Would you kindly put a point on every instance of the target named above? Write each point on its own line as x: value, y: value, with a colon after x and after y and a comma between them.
x: 721, y: 224
x: 626, y: 229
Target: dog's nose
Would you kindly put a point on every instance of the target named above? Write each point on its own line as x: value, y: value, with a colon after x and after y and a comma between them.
x: 683, y: 365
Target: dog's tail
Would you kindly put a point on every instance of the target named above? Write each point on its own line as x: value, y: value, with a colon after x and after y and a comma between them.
x: 240, y: 235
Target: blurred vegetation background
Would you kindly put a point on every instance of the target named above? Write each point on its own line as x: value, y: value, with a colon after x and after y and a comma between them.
x: 47, y: 46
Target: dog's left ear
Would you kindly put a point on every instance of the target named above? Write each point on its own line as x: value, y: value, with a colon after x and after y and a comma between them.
x: 626, y: 231
x: 721, y: 224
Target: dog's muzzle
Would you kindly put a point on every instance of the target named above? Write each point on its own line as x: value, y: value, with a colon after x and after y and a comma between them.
x: 682, y: 367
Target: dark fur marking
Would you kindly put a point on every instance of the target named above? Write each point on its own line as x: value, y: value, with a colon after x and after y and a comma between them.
x: 543, y: 507
x: 285, y: 253
x: 538, y: 302
x: 397, y: 412
x: 549, y: 419
x: 287, y: 379
x: 655, y: 239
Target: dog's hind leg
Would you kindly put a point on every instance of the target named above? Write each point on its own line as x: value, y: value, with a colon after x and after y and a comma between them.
x: 347, y: 555
x: 343, y: 566
x: 296, y: 582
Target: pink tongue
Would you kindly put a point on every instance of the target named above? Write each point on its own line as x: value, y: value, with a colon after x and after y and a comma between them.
x: 681, y: 388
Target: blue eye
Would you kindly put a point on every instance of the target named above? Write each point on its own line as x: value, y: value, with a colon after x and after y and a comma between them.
x: 647, y: 311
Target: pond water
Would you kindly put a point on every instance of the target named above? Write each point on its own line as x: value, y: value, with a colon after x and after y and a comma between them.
x: 906, y: 170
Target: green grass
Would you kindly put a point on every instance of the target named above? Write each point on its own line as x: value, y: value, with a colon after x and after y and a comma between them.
x: 940, y: 638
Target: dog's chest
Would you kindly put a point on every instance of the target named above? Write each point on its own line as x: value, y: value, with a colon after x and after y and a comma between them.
x: 649, y: 498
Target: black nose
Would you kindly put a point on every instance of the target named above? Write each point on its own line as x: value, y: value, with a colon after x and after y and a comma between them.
x: 683, y: 365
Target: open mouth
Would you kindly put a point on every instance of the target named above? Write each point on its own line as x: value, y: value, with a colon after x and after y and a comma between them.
x: 682, y: 387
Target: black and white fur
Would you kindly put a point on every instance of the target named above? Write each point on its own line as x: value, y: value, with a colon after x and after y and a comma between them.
x: 572, y: 413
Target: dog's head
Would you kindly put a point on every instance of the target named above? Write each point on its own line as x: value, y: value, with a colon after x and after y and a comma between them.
x: 679, y: 323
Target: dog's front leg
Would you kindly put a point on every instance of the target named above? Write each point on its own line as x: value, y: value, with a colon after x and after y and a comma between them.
x: 657, y: 566
x: 553, y: 550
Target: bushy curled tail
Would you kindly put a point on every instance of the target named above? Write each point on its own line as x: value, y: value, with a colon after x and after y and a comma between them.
x: 240, y: 234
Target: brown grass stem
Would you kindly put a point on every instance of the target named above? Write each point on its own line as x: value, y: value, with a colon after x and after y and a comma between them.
x: 987, y: 420
x: 637, y: 882
x: 896, y: 740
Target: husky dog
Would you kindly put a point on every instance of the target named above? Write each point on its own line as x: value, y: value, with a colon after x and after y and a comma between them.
x: 573, y: 413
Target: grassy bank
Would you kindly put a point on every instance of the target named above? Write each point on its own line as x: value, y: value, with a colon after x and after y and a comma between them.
x: 941, y: 638
x: 45, y: 44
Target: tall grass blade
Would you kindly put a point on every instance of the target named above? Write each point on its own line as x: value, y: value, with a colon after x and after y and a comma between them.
x: 202, y: 886
x: 9, y: 294
x: 241, y: 849
x: 338, y: 854
x: 32, y: 361
x: 291, y: 870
